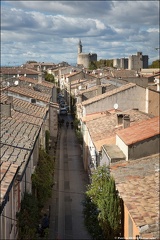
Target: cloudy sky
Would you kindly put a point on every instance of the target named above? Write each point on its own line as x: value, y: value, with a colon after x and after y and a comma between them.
x: 49, y: 31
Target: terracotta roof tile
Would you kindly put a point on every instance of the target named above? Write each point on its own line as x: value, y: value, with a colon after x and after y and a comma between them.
x: 140, y: 131
x: 15, y: 155
x: 7, y: 174
x: 138, y: 184
x: 16, y: 70
x: 26, y: 107
x: 107, y: 94
x: 30, y: 93
x: 18, y: 132
x: 72, y: 74
x: 107, y: 124
x: 31, y: 80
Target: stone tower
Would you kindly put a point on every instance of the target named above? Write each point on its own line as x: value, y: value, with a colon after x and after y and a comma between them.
x: 79, y: 47
x: 84, y: 59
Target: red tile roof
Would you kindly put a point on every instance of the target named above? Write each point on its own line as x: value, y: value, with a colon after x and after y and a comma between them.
x: 18, y: 70
x: 23, y: 106
x: 108, y: 94
x: 138, y: 184
x: 107, y: 128
x: 140, y: 131
x: 31, y: 80
x: 30, y: 93
x: 7, y: 174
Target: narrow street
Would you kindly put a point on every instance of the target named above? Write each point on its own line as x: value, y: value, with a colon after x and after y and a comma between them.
x: 66, y: 217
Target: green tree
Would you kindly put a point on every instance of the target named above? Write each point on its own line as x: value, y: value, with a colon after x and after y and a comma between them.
x: 91, y: 212
x: 42, y: 178
x: 28, y: 217
x: 92, y: 66
x: 103, y: 194
x: 31, y: 61
x: 101, y: 63
x: 49, y: 77
x: 155, y: 64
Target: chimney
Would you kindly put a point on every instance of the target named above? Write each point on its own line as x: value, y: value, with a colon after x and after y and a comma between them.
x: 39, y: 78
x: 5, y: 109
x: 126, y: 121
x: 10, y: 101
x: 33, y: 100
x: 98, y: 82
x: 0, y: 77
x: 99, y: 90
x: 119, y: 119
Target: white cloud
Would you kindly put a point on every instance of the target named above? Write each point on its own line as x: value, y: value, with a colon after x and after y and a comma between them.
x: 153, y: 30
x: 51, y: 29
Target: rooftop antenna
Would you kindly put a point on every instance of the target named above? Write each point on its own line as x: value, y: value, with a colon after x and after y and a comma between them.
x: 16, y: 82
x: 116, y: 106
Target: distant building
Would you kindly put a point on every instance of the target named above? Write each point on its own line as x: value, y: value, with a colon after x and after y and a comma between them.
x: 134, y: 62
x: 124, y: 63
x: 137, y: 62
x: 84, y: 59
x: 145, y: 61
x: 116, y: 62
x: 121, y: 63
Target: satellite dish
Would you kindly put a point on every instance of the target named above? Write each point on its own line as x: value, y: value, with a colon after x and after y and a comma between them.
x: 16, y: 82
x: 116, y: 106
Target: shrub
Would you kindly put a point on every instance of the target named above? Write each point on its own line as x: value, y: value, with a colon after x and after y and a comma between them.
x: 28, y: 217
x: 42, y: 178
x: 104, y: 196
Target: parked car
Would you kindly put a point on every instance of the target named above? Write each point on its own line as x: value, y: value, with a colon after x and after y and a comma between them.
x: 61, y: 100
x: 63, y: 111
x: 62, y: 103
x: 66, y: 106
x: 60, y: 95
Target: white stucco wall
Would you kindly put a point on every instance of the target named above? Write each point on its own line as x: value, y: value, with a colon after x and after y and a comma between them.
x: 134, y: 97
x: 122, y: 146
x: 89, y: 153
x: 7, y: 219
x: 85, y: 146
x: 53, y: 120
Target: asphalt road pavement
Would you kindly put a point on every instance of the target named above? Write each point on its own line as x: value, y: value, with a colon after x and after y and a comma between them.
x: 66, y: 217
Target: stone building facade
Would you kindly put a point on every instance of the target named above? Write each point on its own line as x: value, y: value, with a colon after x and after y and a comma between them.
x: 84, y: 59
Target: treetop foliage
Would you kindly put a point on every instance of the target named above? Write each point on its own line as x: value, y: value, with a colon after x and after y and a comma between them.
x: 103, y: 194
x: 155, y: 64
x: 101, y: 63
x: 49, y: 77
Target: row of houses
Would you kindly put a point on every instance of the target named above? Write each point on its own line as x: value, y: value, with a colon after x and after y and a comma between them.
x: 119, y: 121
x: 26, y: 115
